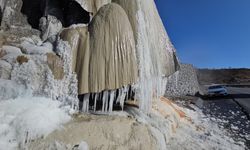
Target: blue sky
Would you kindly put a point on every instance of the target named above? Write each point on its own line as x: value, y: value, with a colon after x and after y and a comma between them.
x: 209, y: 33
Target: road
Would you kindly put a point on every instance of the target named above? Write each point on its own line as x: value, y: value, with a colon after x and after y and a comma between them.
x: 242, y: 96
x: 231, y: 112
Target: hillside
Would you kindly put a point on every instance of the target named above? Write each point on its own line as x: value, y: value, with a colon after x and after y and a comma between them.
x: 224, y: 76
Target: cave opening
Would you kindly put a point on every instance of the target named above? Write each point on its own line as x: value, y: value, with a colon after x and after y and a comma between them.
x: 67, y: 11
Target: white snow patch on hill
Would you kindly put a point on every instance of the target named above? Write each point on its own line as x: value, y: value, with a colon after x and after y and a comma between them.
x: 25, y: 119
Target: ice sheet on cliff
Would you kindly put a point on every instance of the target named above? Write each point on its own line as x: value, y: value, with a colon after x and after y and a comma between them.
x: 155, y: 54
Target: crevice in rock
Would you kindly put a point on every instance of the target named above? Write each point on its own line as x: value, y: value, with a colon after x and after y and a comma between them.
x: 67, y: 11
x: 1, y: 16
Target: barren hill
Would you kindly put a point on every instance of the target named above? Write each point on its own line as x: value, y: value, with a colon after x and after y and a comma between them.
x: 224, y: 76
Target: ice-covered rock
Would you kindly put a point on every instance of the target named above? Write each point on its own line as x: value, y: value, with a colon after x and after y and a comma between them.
x: 10, y: 89
x: 50, y: 27
x: 11, y: 53
x: 31, y: 48
x: 48, y: 75
x: 11, y: 49
x: 5, y: 69
x: 184, y: 82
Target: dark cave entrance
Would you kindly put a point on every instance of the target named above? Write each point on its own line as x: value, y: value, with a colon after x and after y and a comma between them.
x: 67, y: 11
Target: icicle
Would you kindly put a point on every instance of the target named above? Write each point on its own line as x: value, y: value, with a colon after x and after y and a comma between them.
x: 95, y: 97
x: 85, y: 107
x: 104, y: 100
x: 111, y: 101
x: 123, y: 96
x: 119, y: 96
x: 127, y: 92
x: 107, y: 102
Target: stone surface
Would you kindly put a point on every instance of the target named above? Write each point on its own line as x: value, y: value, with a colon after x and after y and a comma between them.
x: 22, y: 59
x: 184, y: 82
x: 55, y: 63
x: 50, y: 27
x: 11, y: 53
x: 2, y: 53
x: 101, y: 132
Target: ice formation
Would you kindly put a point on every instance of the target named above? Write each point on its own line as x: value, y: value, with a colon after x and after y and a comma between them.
x: 123, y: 49
x: 155, y: 53
x: 98, y: 74
x: 137, y: 43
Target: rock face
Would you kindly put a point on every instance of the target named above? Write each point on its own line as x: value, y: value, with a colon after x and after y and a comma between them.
x: 50, y: 27
x: 78, y: 39
x: 184, y: 82
x: 100, y: 132
x: 55, y: 64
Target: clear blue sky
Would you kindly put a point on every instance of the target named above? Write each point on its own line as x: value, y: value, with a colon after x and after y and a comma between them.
x: 209, y: 33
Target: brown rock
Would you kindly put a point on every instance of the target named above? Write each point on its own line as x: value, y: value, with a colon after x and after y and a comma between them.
x: 55, y: 63
x: 22, y: 59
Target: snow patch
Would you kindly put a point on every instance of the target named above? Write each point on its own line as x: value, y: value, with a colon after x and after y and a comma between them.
x: 29, y: 118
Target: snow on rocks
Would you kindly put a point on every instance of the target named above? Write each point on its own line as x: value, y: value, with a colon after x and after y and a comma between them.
x: 50, y: 27
x: 10, y: 89
x: 11, y: 53
x: 29, y: 47
x: 5, y: 69
x: 28, y: 118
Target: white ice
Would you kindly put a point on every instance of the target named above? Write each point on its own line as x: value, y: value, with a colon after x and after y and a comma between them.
x: 25, y: 119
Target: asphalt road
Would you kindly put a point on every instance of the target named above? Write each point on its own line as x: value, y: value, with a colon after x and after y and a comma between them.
x: 242, y: 96
x: 230, y: 112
